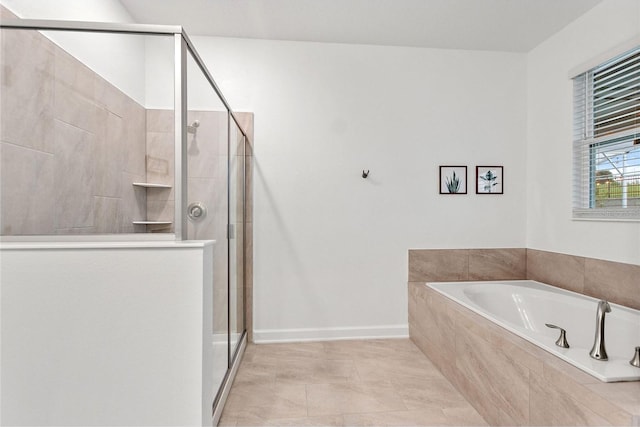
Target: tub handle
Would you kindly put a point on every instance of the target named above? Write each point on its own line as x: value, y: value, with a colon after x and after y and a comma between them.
x: 562, y: 340
x: 635, y: 360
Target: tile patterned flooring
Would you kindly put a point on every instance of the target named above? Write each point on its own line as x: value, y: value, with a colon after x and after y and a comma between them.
x: 343, y: 383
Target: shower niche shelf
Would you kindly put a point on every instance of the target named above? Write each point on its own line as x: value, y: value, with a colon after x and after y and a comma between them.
x: 152, y: 225
x: 150, y: 185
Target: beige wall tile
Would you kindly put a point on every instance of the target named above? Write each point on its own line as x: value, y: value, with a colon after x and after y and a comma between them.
x: 160, y: 121
x: 497, y: 264
x: 160, y: 160
x: 551, y: 408
x: 613, y: 281
x: 109, y: 156
x: 74, y: 176
x: 27, y: 195
x: 432, y: 265
x: 108, y: 97
x: 107, y: 214
x: 564, y: 271
x: 6, y: 13
x: 246, y: 122
x: 436, y: 326
x: 490, y: 379
x: 27, y: 90
x: 135, y: 121
x: 564, y: 381
x: 524, y: 353
x: 202, y: 190
x: 71, y: 107
x: 134, y: 203
x: 74, y: 74
x: 626, y: 395
x: 160, y: 210
x: 207, y: 148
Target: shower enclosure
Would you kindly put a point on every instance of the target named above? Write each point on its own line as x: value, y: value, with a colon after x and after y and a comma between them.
x: 118, y: 132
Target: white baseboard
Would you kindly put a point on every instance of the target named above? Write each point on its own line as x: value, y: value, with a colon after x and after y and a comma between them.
x: 262, y: 336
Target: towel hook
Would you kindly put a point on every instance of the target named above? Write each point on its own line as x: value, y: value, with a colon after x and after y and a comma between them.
x: 365, y: 174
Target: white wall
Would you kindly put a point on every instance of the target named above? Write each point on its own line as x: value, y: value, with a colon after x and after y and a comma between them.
x: 118, y: 58
x: 549, y: 136
x: 331, y: 247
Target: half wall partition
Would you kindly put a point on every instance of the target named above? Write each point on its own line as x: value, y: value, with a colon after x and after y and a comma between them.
x: 89, y: 154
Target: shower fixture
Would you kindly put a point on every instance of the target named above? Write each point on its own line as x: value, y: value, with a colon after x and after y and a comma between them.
x: 193, y: 127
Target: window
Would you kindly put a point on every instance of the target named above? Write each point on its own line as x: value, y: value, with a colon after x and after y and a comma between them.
x: 607, y: 140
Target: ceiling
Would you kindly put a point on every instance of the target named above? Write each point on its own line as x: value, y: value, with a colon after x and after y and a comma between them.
x: 503, y: 25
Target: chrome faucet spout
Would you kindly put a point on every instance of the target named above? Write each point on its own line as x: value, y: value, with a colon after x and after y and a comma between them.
x: 598, y: 351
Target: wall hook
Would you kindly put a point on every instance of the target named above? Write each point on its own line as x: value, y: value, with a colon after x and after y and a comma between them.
x: 365, y: 174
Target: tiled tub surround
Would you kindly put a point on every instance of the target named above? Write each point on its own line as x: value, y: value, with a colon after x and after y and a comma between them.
x: 611, y: 281
x: 507, y: 379
x: 608, y: 280
x: 525, y: 307
x: 71, y: 144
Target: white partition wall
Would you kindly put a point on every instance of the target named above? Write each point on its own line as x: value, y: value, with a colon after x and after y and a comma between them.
x: 107, y: 334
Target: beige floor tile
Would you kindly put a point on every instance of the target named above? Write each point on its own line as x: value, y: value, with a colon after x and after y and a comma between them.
x: 280, y: 352
x: 434, y: 392
x: 279, y: 401
x: 255, y: 374
x: 330, y: 420
x: 372, y: 349
x: 316, y: 371
x: 466, y: 416
x: 381, y: 369
x: 356, y: 382
x: 327, y: 399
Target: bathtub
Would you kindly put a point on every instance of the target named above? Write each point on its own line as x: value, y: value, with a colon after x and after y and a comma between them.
x: 524, y: 306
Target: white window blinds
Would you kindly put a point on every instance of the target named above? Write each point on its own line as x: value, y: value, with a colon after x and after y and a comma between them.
x: 607, y: 140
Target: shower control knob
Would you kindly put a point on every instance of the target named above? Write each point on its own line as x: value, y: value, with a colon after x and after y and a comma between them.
x: 196, y: 211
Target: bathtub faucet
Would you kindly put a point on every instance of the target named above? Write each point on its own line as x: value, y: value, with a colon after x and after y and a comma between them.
x: 598, y: 351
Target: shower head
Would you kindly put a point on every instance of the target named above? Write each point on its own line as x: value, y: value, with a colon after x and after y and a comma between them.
x: 193, y: 126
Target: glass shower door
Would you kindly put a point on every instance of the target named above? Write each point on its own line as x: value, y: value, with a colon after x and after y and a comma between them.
x: 208, y: 206
x: 236, y: 235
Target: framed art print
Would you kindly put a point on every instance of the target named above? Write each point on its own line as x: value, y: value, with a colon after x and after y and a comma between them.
x: 489, y: 179
x: 453, y: 180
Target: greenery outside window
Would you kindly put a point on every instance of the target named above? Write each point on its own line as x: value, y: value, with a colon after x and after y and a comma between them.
x: 606, y: 139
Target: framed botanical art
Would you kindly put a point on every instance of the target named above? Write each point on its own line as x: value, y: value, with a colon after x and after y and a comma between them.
x: 489, y: 179
x: 453, y: 180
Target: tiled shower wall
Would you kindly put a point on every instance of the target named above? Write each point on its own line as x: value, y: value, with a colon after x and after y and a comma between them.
x: 71, y: 144
x: 612, y: 281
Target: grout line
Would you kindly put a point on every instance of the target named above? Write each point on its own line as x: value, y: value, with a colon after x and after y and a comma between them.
x: 27, y: 148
